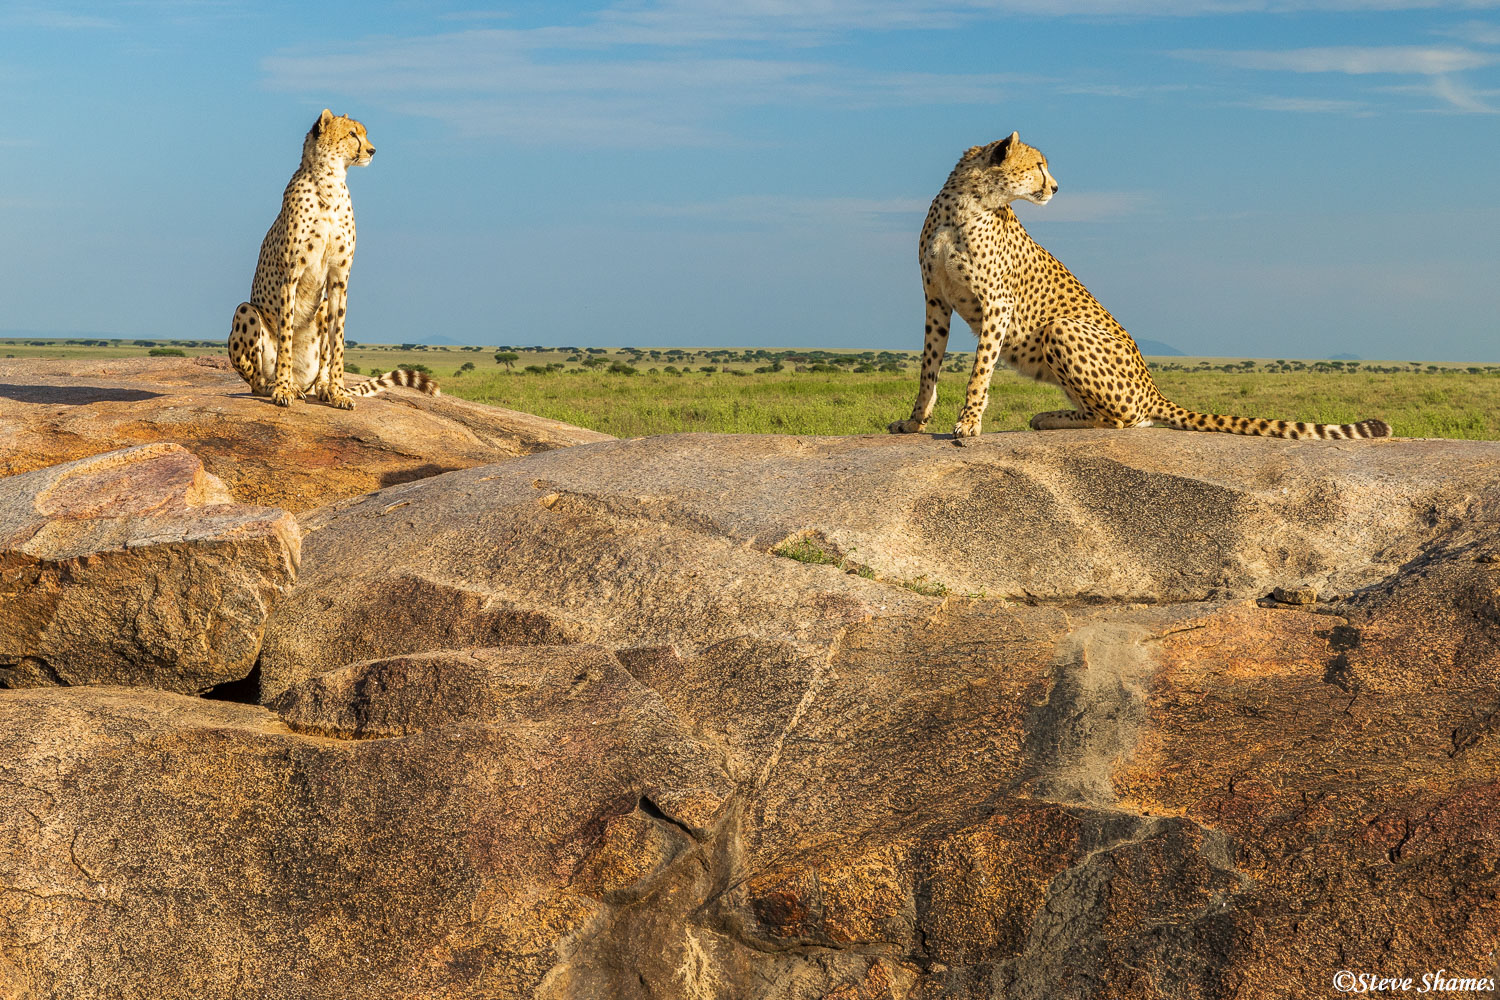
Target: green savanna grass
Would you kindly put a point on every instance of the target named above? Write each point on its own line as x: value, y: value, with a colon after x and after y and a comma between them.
x: 1448, y: 404
x: 1452, y: 401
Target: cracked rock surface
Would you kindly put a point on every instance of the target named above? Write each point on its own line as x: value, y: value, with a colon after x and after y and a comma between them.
x: 569, y: 727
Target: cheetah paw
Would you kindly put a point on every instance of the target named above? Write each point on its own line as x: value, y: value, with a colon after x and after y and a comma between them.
x: 283, y: 396
x: 343, y: 401
x: 965, y: 435
x: 907, y: 427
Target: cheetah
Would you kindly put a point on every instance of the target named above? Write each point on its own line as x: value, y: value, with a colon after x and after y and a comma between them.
x: 1026, y: 307
x: 288, y: 340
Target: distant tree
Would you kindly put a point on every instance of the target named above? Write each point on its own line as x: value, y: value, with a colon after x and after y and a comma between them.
x: 351, y: 367
x: 166, y: 352
x: 468, y: 366
x: 416, y: 368
x: 507, y: 358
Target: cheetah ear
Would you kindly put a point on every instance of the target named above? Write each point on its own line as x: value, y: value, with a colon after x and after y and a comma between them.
x: 323, y: 120
x: 1002, y: 147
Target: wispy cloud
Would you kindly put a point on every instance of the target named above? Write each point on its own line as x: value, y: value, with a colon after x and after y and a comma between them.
x: 1473, y: 32
x: 761, y: 19
x: 789, y: 212
x: 1455, y: 95
x: 1440, y: 66
x: 1308, y: 105
x: 1356, y: 60
x: 1461, y: 96
x: 85, y: 16
x: 560, y: 84
x: 1132, y: 91
x: 671, y: 72
x: 50, y: 18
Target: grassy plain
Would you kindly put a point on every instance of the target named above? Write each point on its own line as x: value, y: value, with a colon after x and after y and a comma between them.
x: 1453, y: 404
x: 1418, y: 400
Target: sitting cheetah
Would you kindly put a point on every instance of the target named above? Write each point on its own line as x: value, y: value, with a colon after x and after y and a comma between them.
x: 1027, y: 308
x: 288, y: 340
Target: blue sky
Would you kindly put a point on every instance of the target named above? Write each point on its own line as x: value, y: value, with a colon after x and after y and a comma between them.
x: 1237, y: 177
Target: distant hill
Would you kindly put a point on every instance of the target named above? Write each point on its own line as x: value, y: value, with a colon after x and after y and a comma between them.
x: 1156, y: 347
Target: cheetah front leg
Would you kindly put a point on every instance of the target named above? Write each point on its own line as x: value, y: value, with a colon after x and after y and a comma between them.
x: 320, y: 331
x: 330, y: 382
x: 939, y: 315
x: 283, y: 391
x: 994, y: 324
x: 332, y: 390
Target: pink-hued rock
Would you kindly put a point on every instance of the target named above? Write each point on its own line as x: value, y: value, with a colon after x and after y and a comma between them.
x: 136, y: 567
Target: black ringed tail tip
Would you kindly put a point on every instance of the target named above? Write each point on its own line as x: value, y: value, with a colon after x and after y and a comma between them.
x: 1184, y: 419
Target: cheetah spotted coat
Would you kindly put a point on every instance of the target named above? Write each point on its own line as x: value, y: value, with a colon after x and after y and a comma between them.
x: 288, y: 340
x: 1027, y: 309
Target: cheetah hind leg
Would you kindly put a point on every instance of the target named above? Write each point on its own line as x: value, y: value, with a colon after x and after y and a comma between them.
x: 1056, y: 420
x: 251, y: 350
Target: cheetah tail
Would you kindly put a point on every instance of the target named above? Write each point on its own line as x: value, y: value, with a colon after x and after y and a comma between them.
x: 401, y: 376
x: 1184, y: 419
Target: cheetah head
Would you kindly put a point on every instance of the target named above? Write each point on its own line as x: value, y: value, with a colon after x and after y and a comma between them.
x: 337, y: 137
x: 1009, y: 169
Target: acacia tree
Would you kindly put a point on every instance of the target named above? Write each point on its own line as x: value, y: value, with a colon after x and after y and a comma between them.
x: 507, y: 358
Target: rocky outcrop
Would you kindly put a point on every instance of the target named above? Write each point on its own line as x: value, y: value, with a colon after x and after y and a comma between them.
x: 172, y: 847
x: 135, y: 567
x: 674, y: 539
x: 296, y: 458
x: 577, y: 726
